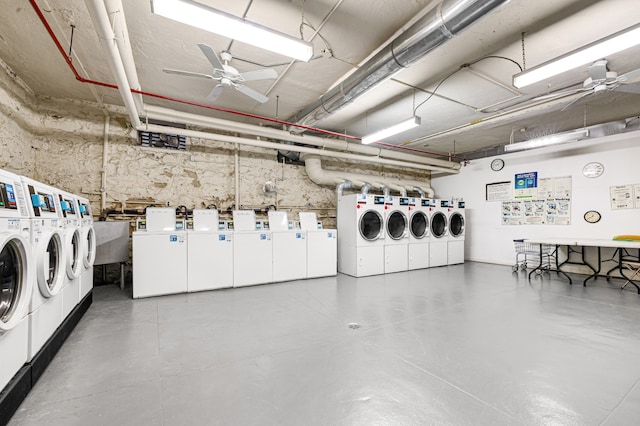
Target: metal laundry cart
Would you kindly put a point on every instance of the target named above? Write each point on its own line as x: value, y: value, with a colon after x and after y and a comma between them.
x: 538, y: 255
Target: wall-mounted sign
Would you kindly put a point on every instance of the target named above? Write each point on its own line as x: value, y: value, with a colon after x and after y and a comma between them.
x: 526, y: 185
x: 498, y: 191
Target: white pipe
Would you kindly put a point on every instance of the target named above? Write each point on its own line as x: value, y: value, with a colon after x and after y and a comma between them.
x: 279, y: 146
x: 236, y: 171
x: 165, y: 114
x: 107, y: 37
x: 105, y: 160
x: 320, y: 176
x: 119, y: 24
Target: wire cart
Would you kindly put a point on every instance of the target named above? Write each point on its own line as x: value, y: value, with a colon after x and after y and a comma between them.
x: 533, y: 254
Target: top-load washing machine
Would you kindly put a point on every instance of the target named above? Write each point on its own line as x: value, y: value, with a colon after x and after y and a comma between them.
x: 159, y: 254
x: 456, y: 228
x: 88, y: 243
x: 47, y: 239
x: 289, y: 248
x: 252, y: 250
x: 419, y: 225
x: 439, y: 232
x: 362, y: 234
x: 74, y: 249
x: 17, y: 269
x: 210, y: 253
x: 322, y: 247
x: 396, y: 242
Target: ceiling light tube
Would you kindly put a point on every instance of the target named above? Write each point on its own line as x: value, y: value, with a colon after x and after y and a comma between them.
x: 393, y: 130
x: 592, y: 52
x: 218, y: 22
x: 556, y: 139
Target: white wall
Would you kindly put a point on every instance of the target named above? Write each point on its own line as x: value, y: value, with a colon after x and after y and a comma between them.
x: 487, y: 240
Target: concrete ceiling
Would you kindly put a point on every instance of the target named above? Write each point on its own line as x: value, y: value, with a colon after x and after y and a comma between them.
x: 474, y: 109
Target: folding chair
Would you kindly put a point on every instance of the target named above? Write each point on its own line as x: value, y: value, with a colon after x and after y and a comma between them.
x: 632, y: 266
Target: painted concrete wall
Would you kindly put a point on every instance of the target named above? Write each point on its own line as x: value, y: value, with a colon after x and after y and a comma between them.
x: 488, y: 240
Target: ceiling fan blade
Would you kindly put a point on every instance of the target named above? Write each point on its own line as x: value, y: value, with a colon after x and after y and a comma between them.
x: 560, y: 94
x: 211, y: 56
x: 628, y: 88
x: 188, y: 73
x: 215, y: 93
x: 264, y: 74
x: 630, y: 77
x: 252, y: 93
x: 576, y: 100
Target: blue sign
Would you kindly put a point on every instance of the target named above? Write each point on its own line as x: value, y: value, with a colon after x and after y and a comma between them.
x: 526, y: 180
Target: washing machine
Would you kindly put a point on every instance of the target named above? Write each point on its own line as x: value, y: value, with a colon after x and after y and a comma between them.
x: 289, y: 248
x: 362, y: 234
x: 17, y: 268
x: 73, y: 247
x: 252, y: 250
x: 419, y: 225
x: 48, y: 241
x: 159, y: 254
x: 396, y: 242
x: 439, y: 235
x: 88, y: 244
x: 209, y: 253
x: 322, y: 247
x: 456, y: 228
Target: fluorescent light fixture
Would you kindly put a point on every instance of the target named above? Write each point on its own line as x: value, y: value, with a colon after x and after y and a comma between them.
x: 591, y: 52
x: 556, y: 139
x: 218, y: 22
x: 393, y: 130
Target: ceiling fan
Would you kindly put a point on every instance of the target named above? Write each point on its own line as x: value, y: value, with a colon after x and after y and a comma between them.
x: 227, y: 75
x: 600, y: 79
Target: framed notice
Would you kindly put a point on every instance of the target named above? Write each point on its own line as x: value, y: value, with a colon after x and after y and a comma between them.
x: 499, y: 191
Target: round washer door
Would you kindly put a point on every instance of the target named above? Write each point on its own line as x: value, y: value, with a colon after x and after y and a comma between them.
x: 456, y: 225
x: 50, y: 262
x: 73, y: 247
x: 397, y: 225
x: 89, y: 250
x: 15, y: 280
x: 370, y: 225
x: 419, y: 225
x: 438, y: 224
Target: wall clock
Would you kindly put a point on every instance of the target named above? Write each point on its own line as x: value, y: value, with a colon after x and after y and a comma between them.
x: 592, y: 216
x: 497, y: 164
x: 593, y: 170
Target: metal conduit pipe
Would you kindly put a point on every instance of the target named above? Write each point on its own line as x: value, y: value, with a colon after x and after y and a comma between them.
x: 440, y: 24
x: 419, y: 191
x: 365, y: 188
x: 346, y: 184
x: 386, y: 191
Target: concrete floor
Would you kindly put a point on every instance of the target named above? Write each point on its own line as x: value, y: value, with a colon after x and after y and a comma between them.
x: 468, y: 344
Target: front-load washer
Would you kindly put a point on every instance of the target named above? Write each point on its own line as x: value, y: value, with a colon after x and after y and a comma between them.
x: 419, y: 225
x: 159, y: 254
x: 17, y: 269
x: 456, y: 229
x: 396, y: 242
x: 289, y: 248
x: 252, y: 250
x: 209, y: 253
x: 439, y: 232
x: 88, y: 244
x: 73, y: 247
x: 362, y: 234
x: 322, y: 247
x: 47, y: 239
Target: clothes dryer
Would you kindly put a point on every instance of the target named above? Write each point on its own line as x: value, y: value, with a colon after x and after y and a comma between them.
x: 419, y: 225
x: 439, y: 232
x: 362, y: 234
x: 322, y: 247
x: 210, y: 253
x: 73, y: 247
x: 88, y: 244
x: 159, y: 254
x: 252, y: 250
x: 47, y: 239
x: 17, y: 269
x: 396, y: 242
x: 289, y: 248
x: 456, y: 228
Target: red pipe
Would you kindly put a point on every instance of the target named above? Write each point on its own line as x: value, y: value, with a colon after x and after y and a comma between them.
x: 81, y: 79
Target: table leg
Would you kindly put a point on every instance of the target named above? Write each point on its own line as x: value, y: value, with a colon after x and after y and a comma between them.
x: 595, y: 272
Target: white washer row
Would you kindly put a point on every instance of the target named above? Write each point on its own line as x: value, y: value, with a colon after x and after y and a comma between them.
x: 204, y: 253
x: 384, y: 234
x: 47, y: 248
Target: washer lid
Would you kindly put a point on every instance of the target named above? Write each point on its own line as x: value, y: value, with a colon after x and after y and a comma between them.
x: 50, y: 261
x: 89, y: 247
x: 438, y: 224
x: 15, y: 279
x: 74, y: 249
x: 419, y: 224
x: 370, y: 225
x: 456, y: 224
x: 397, y: 225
